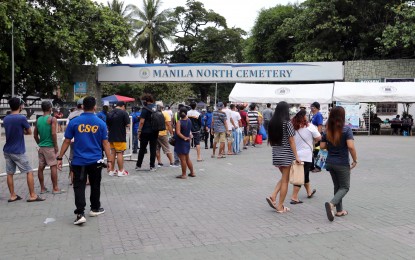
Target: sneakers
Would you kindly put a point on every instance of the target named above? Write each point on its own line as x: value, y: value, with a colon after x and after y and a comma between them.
x: 96, y: 212
x: 177, y: 163
x: 112, y: 173
x: 122, y: 173
x: 137, y: 168
x: 153, y: 169
x: 80, y: 219
x: 160, y: 165
x: 316, y: 170
x: 174, y: 165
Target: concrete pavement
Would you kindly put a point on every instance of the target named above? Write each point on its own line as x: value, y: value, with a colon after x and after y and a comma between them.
x: 222, y: 213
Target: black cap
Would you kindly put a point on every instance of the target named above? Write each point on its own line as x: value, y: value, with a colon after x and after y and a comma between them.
x: 316, y: 105
x: 120, y: 104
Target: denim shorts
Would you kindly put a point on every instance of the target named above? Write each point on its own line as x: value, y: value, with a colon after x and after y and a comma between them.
x: 19, y: 160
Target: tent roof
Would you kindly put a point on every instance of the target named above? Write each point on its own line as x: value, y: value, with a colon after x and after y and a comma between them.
x: 374, y: 92
x: 273, y: 93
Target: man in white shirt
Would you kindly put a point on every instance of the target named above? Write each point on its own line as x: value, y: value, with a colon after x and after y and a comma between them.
x: 231, y: 125
x: 237, y: 130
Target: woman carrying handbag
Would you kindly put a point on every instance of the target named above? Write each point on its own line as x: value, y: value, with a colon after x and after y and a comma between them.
x: 305, y: 136
x: 281, y: 137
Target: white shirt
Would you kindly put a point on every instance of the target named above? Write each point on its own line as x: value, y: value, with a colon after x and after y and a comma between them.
x: 193, y: 113
x: 305, y: 147
x: 236, y: 117
x: 228, y: 113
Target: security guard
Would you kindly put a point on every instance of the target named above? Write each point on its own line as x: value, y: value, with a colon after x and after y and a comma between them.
x: 90, y: 134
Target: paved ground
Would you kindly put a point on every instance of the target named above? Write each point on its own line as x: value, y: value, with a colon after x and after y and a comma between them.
x: 222, y: 214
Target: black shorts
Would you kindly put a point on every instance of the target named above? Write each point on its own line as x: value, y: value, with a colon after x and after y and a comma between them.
x: 196, y: 138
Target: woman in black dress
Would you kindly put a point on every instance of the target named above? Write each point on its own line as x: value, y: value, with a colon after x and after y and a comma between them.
x: 182, y: 146
x: 284, y: 152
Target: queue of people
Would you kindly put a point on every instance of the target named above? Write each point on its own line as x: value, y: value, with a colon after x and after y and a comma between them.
x: 90, y: 136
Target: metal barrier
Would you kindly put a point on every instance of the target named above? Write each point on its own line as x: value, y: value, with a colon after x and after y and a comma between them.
x: 32, y: 152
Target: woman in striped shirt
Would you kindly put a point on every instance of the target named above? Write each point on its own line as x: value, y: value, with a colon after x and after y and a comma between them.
x: 284, y: 152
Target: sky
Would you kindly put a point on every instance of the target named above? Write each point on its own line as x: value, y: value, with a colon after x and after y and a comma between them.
x: 238, y: 13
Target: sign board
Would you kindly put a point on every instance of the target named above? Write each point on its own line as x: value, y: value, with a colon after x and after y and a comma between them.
x: 352, y: 113
x: 370, y: 80
x: 400, y: 80
x: 80, y: 90
x: 222, y: 72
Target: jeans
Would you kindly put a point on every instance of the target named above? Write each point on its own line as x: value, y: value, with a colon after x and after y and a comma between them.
x: 145, y: 139
x: 266, y: 124
x: 206, y: 135
x: 135, y: 141
x: 340, y: 174
x: 93, y: 171
x: 237, y: 138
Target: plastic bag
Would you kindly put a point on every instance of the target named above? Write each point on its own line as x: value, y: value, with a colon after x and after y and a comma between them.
x: 263, y: 132
x: 321, y: 159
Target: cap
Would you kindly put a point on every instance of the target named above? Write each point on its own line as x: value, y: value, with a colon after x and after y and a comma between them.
x: 120, y: 104
x: 219, y: 105
x: 203, y: 109
x: 80, y: 101
x: 106, y: 103
x: 316, y: 105
x: 303, y: 106
x: 159, y: 103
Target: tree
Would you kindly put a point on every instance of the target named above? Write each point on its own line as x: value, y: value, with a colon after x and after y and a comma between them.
x: 268, y: 42
x: 151, y: 27
x: 53, y: 36
x: 398, y: 38
x: 117, y: 6
x: 202, y: 36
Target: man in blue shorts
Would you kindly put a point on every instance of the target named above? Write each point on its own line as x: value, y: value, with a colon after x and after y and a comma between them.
x: 90, y: 137
x: 316, y: 120
x: 14, y: 150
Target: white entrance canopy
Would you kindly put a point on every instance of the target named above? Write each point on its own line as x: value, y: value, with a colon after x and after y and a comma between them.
x: 402, y: 92
x: 274, y: 93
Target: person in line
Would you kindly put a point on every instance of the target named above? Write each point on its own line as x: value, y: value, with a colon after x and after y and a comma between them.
x: 207, y: 119
x: 231, y: 125
x: 267, y: 115
x: 219, y: 130
x: 90, y: 138
x: 305, y: 136
x: 317, y: 120
x: 117, y: 122
x: 236, y: 132
x: 59, y: 115
x: 375, y: 124
x: 14, y: 150
x: 253, y: 119
x: 135, y: 115
x: 339, y: 142
x: 396, y: 125
x: 182, y: 146
x: 245, y: 125
x: 284, y: 152
x: 196, y: 120
x: 406, y: 124
x: 46, y: 138
x: 104, y: 112
x: 163, y: 139
x: 176, y: 118
x: 146, y: 134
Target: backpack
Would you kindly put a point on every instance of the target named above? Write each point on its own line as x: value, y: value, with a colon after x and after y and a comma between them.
x: 196, y: 124
x: 157, y: 120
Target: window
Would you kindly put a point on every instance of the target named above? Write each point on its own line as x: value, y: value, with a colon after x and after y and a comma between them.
x: 386, y: 109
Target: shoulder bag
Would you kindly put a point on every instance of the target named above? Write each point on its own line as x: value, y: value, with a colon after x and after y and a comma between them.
x: 297, y: 173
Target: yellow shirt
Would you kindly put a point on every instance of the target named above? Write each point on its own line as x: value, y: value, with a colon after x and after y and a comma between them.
x: 167, y: 119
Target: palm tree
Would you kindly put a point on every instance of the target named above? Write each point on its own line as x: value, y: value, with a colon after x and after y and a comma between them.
x: 151, y: 28
x: 118, y: 7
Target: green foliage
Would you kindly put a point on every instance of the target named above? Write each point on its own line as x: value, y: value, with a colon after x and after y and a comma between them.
x: 53, y: 36
x: 151, y: 28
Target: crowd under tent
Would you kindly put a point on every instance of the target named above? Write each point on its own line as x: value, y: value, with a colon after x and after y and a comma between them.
x: 274, y: 93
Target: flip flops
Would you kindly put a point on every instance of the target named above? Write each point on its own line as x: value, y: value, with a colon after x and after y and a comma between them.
x: 271, y: 203
x: 16, y: 199
x: 35, y: 200
x: 45, y: 191
x: 344, y: 213
x: 58, y: 192
x: 221, y: 156
x: 312, y: 194
x: 296, y: 202
x: 191, y: 175
x: 284, y: 209
x: 329, y: 211
x: 181, y: 177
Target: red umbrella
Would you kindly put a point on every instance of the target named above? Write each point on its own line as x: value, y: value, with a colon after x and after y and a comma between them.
x: 116, y: 98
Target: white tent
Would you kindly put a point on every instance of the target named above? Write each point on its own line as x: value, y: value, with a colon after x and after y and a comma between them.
x: 402, y: 92
x: 274, y: 93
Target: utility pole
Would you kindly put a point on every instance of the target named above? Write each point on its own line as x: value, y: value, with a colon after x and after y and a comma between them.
x: 12, y: 61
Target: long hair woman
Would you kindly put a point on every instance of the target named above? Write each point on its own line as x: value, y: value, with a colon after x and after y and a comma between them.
x: 305, y: 136
x: 281, y: 138
x: 339, y: 142
x: 182, y: 146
